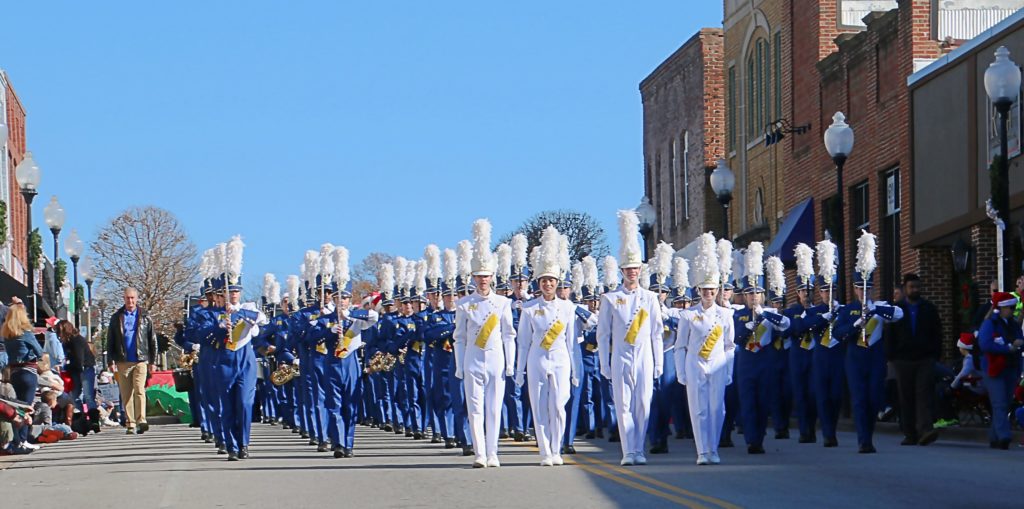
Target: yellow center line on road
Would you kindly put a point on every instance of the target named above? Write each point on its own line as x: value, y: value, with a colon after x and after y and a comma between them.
x: 663, y: 485
x: 596, y: 470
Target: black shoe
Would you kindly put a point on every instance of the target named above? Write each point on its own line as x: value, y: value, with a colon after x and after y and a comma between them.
x: 417, y: 435
x: 232, y: 456
x: 339, y: 452
x: 449, y: 443
x: 313, y: 441
x: 909, y: 441
x: 807, y: 439
x: 660, y: 448
x: 614, y: 437
x: 285, y: 426
x: 782, y: 435
x: 503, y: 434
x: 322, y: 447
x: 680, y: 435
x: 831, y: 442
x: 221, y: 449
x: 296, y: 430
x: 143, y: 427
x: 994, y: 444
x: 387, y: 427
x: 206, y: 437
x: 1004, y: 444
x: 348, y: 453
x: 194, y: 424
x: 866, y: 449
x: 518, y: 436
x: 129, y: 431
x: 244, y: 453
x: 467, y: 451
x: 589, y: 436
x: 304, y: 434
x: 408, y: 434
x: 568, y: 450
x: 929, y: 437
x: 725, y: 441
x: 436, y: 439
x: 755, y: 449
x: 528, y: 437
x: 579, y: 433
x: 600, y: 433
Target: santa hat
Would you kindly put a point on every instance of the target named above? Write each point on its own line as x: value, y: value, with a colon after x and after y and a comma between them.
x: 1003, y: 299
x: 966, y: 341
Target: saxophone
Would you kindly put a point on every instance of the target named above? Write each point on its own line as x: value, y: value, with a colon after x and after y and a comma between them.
x: 187, y: 360
x: 284, y: 374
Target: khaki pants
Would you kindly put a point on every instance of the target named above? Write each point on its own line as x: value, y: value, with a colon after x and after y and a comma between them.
x: 131, y: 380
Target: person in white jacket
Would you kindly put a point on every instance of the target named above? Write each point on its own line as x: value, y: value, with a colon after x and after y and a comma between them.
x: 546, y: 337
x: 484, y: 350
x: 630, y: 328
x: 704, y: 355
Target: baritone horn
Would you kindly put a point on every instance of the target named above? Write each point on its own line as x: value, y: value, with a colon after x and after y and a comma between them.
x: 284, y: 374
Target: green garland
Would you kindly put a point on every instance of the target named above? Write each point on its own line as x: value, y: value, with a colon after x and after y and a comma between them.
x: 3, y: 221
x: 79, y: 298
x: 35, y: 248
x: 60, y: 272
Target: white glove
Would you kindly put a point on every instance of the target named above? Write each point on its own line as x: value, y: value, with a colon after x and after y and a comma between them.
x: 657, y: 372
x: 295, y: 362
x: 338, y: 329
x: 343, y: 313
x: 728, y: 381
x: 827, y: 316
x: 458, y: 374
x: 871, y: 305
x: 803, y: 315
x: 859, y: 323
x: 509, y: 371
x: 575, y: 382
x: 195, y: 347
x: 520, y: 380
x: 750, y: 325
x: 312, y: 323
x: 225, y: 324
x: 758, y: 310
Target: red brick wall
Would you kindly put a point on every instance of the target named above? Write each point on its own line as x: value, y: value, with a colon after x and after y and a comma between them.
x: 16, y: 152
x: 713, y: 47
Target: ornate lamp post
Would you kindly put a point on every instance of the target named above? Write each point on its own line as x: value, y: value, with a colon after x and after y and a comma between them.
x: 1002, y: 84
x: 839, y: 143
x: 722, y: 183
x: 27, y: 173
x: 646, y: 214
x: 53, y: 213
x: 73, y: 247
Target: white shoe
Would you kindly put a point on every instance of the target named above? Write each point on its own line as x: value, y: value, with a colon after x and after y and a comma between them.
x: 493, y: 462
x: 480, y: 463
x: 713, y: 458
x: 627, y: 460
x: 557, y: 460
x: 30, y: 446
x: 546, y: 462
x: 640, y: 459
x: 702, y: 460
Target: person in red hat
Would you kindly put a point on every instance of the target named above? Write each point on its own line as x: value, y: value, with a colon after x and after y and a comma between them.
x: 1001, y: 340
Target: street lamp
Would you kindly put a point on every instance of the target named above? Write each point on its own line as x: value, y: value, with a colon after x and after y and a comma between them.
x: 722, y: 183
x: 73, y: 247
x: 646, y: 214
x: 1002, y: 84
x: 53, y: 213
x: 839, y: 143
x: 27, y: 173
x: 86, y: 269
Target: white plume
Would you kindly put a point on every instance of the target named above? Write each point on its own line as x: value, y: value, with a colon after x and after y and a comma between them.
x: 535, y: 260
x: 663, y: 261
x: 753, y: 260
x: 293, y: 290
x: 645, y: 276
x: 386, y: 278
x: 611, y: 273
x: 724, y: 259
x: 590, y: 273
x: 206, y: 269
x: 482, y: 245
x: 401, y: 267
x: 866, y: 245
x: 268, y: 285
x: 680, y: 272
x: 826, y: 260
x: 629, y: 229
x: 311, y: 266
x: 326, y: 261
x: 563, y: 254
x: 339, y: 262
x: 519, y: 246
x: 233, y: 253
x: 775, y: 277
x: 432, y: 255
x: 706, y: 267
x: 220, y: 258
x: 465, y: 251
x: 420, y: 281
x: 504, y: 261
x: 275, y: 293
x: 804, y: 262
x: 577, y: 279
x: 548, y: 254
x: 451, y: 266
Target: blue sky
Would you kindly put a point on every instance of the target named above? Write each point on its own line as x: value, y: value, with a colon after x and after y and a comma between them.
x: 381, y: 126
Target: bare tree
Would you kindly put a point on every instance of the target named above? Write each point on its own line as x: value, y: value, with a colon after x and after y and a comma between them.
x: 364, y: 274
x: 586, y: 236
x: 146, y: 248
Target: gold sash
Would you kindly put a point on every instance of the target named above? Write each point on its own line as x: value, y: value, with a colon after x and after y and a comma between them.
x: 321, y: 348
x: 805, y: 343
x: 485, y: 331
x: 869, y: 329
x: 237, y: 331
x: 552, y: 334
x: 342, y: 351
x: 710, y: 342
x: 826, y: 338
x: 634, y: 328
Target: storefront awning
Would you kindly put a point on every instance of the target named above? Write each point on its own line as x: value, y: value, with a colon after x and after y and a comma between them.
x: 796, y: 228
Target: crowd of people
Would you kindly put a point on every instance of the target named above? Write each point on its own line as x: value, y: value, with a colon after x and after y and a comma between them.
x: 468, y: 346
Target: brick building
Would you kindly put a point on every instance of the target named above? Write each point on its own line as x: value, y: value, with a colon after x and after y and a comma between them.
x: 15, y: 246
x: 683, y: 104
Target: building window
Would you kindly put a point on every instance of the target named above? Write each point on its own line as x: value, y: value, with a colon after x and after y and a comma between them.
x: 859, y: 207
x: 890, y: 241
x: 674, y: 171
x: 686, y: 176
x: 759, y: 125
x: 751, y: 103
x: 830, y: 218
x: 777, y: 59
x: 758, y: 88
x: 732, y: 108
x: 759, y: 207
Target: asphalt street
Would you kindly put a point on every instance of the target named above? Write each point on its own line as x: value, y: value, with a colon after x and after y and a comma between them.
x: 171, y: 467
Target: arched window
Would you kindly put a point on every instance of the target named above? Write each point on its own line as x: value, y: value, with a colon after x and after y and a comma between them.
x: 758, y: 87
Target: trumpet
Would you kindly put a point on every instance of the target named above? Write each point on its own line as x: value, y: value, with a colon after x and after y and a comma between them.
x: 284, y: 374
x: 187, y: 360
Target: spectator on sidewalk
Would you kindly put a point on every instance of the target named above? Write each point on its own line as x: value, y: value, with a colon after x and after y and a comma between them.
x: 913, y: 347
x: 24, y: 352
x: 1001, y: 340
x: 52, y: 345
x: 132, y: 344
x: 80, y: 362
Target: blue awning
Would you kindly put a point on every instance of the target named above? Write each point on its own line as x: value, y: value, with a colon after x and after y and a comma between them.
x: 796, y: 228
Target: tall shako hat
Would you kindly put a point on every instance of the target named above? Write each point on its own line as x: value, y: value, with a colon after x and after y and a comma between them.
x: 294, y: 295
x: 775, y: 278
x: 483, y: 262
x: 612, y: 280
x: 590, y: 286
x: 451, y: 272
x: 661, y: 267
x: 866, y: 263
x: 326, y: 271
x: 386, y: 282
x: 401, y: 273
x: 564, y: 261
x: 827, y: 263
x: 419, y: 282
x: 629, y: 245
x: 804, y: 266
x: 342, y: 278
x: 465, y: 255
x: 432, y: 255
x: 680, y: 278
x: 547, y: 263
x: 706, y: 271
x: 519, y: 269
x: 724, y: 250
x: 504, y: 256
x: 753, y: 266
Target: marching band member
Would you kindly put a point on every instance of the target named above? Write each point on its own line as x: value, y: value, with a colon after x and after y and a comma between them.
x: 667, y: 397
x: 827, y: 367
x: 775, y: 284
x: 485, y: 349
x: 802, y: 347
x: 546, y: 342
x: 517, y: 401
x: 439, y: 332
x: 704, y: 354
x: 590, y: 381
x: 630, y: 329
